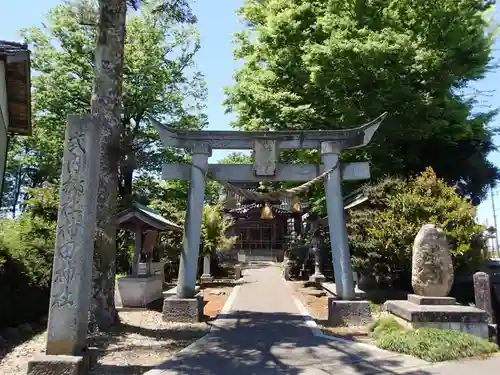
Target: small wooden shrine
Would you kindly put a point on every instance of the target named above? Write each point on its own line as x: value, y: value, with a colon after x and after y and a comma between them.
x: 146, y: 224
x: 141, y: 288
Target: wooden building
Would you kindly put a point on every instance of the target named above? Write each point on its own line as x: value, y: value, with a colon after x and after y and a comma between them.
x: 257, y: 237
x: 15, y: 97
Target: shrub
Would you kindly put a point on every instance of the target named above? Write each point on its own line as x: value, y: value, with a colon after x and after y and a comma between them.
x: 26, y: 254
x: 382, y: 231
x: 27, y: 248
x: 429, y: 344
x: 214, y: 226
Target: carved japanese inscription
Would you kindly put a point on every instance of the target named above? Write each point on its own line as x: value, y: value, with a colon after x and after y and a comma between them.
x: 265, y: 157
x: 72, y: 269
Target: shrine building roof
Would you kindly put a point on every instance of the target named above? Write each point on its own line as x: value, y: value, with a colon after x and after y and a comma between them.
x: 141, y: 216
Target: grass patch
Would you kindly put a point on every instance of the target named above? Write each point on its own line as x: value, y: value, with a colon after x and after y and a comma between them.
x: 429, y: 344
x: 375, y: 308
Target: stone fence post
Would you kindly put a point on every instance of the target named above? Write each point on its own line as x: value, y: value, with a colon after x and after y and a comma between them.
x: 482, y: 294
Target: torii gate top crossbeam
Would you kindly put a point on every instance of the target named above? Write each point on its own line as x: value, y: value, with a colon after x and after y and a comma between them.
x: 290, y: 139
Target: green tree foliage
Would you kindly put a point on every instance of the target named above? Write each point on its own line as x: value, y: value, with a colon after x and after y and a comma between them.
x: 383, y: 230
x: 214, y: 226
x: 26, y: 252
x: 159, y: 79
x: 333, y: 64
x: 237, y: 158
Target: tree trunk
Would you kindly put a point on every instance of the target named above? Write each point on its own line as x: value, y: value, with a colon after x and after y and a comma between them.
x: 107, y: 101
x: 17, y: 192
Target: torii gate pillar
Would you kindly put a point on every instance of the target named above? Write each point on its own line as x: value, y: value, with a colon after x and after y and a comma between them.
x: 330, y: 153
x: 200, y: 152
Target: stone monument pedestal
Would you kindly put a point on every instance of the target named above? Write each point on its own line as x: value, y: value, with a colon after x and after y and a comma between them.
x: 63, y: 364
x: 317, y: 278
x: 439, y: 312
x: 183, y: 310
x: 206, y: 279
x: 57, y: 364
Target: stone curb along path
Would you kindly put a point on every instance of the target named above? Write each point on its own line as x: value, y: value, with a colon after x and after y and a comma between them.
x: 264, y: 329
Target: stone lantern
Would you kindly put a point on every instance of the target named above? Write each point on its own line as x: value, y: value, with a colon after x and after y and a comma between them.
x: 317, y: 242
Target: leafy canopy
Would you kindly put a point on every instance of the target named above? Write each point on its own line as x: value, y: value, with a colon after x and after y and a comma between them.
x: 159, y: 78
x: 311, y: 64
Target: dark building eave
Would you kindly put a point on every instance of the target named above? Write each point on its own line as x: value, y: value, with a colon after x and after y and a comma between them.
x: 18, y: 80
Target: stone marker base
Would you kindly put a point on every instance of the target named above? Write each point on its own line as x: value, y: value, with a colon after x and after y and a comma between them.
x: 317, y: 278
x: 344, y: 313
x: 64, y: 364
x: 58, y: 365
x: 237, y: 272
x: 441, y: 313
x: 205, y: 279
x: 183, y: 310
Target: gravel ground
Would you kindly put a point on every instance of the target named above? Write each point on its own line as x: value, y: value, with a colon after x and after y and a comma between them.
x: 141, y: 341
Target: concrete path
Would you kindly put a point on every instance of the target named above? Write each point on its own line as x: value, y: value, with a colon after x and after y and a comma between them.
x: 267, y: 332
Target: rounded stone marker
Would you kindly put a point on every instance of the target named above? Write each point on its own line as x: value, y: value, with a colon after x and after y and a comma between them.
x: 432, y: 267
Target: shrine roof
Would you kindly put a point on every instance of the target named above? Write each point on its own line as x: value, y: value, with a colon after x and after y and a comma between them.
x: 139, y: 215
x: 18, y: 81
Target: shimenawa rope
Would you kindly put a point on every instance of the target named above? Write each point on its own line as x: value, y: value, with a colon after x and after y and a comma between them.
x: 278, y: 195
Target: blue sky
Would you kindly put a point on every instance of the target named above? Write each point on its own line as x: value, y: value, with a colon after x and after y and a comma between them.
x: 217, y: 23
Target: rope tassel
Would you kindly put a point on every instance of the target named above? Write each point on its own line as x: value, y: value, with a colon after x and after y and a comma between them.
x: 296, y: 204
x: 267, y: 212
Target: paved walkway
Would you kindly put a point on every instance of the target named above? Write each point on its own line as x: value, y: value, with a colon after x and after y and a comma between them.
x: 265, y: 333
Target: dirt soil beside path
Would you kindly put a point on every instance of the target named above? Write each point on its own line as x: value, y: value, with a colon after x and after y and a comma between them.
x: 317, y: 306
x: 215, y: 297
x: 140, y: 342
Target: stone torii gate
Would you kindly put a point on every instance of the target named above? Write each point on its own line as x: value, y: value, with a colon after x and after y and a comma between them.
x: 266, y: 167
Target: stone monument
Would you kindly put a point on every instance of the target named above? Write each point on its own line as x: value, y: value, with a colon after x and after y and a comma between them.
x: 72, y: 270
x: 483, y: 296
x: 432, y: 279
x: 316, y: 246
x: 432, y: 267
x: 206, y: 277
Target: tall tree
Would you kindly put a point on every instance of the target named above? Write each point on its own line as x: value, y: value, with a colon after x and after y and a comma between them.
x: 159, y: 78
x: 313, y: 64
x: 107, y: 103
